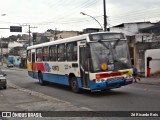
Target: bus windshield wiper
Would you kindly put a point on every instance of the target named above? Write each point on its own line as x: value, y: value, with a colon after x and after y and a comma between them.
x: 103, y: 44
x: 116, y: 43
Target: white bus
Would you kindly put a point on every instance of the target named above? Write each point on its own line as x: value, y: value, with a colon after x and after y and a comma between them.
x: 95, y: 61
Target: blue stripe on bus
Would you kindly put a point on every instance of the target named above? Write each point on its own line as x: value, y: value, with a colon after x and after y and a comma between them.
x: 108, y: 85
x: 63, y: 79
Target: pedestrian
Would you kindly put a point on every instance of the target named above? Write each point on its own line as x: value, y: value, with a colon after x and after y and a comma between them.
x: 135, y: 74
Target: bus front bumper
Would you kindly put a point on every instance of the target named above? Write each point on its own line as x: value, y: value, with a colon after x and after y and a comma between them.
x: 110, y: 84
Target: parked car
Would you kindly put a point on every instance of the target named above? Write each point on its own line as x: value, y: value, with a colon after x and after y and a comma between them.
x: 9, y: 64
x: 3, y: 81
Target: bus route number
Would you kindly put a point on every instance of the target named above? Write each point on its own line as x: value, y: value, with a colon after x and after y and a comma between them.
x: 56, y: 68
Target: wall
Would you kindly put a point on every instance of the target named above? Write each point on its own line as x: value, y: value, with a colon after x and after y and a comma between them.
x: 144, y: 37
x: 4, y: 50
x: 140, y: 53
x: 155, y: 62
x: 130, y: 28
x: 65, y: 34
x: 14, y: 44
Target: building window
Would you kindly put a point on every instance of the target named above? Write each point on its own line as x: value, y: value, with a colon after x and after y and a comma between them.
x: 53, y: 53
x: 61, y: 52
x: 72, y: 51
x: 39, y: 55
x: 45, y: 54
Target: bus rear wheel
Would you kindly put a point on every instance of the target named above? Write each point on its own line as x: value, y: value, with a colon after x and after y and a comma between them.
x: 40, y: 78
x: 74, y: 85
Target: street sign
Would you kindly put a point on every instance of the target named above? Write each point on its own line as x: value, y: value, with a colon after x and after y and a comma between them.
x: 15, y: 29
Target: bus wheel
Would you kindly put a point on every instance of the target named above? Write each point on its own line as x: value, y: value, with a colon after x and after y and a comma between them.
x: 40, y: 78
x: 5, y: 87
x: 74, y: 85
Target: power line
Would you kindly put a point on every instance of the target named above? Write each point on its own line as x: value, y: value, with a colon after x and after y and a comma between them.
x: 29, y: 31
x: 77, y: 8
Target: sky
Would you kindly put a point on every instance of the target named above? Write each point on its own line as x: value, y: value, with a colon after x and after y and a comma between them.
x: 65, y: 14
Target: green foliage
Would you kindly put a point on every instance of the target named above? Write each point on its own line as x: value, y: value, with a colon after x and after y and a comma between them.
x: 14, y: 37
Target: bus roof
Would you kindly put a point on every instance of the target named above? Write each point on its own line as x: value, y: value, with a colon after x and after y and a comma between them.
x: 70, y: 39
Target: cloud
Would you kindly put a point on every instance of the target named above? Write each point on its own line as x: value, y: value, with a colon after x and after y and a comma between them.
x: 65, y: 14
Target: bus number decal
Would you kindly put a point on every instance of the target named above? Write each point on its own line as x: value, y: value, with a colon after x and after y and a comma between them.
x: 55, y: 68
x: 66, y: 67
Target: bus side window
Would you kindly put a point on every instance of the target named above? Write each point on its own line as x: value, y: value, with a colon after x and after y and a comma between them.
x: 75, y: 52
x: 53, y: 53
x: 61, y: 52
x: 45, y: 54
x: 29, y: 56
x: 39, y: 54
x: 71, y: 52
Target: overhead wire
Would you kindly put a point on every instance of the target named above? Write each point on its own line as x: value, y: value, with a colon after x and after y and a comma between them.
x: 76, y: 8
x: 68, y: 19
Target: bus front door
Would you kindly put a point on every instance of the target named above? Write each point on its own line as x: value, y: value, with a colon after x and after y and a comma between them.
x: 84, y: 66
x: 33, y: 65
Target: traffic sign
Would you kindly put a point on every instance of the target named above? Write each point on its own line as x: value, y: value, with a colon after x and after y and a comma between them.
x: 15, y: 29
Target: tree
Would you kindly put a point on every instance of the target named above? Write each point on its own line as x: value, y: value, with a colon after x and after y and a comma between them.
x: 15, y: 37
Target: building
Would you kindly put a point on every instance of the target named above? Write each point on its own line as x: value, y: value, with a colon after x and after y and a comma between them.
x: 91, y: 30
x: 154, y: 30
x: 131, y: 29
x: 141, y: 37
x: 64, y: 34
x: 14, y: 44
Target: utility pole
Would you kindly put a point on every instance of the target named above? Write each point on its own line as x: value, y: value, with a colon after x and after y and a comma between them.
x: 29, y: 31
x: 1, y: 52
x: 29, y: 35
x: 105, y: 17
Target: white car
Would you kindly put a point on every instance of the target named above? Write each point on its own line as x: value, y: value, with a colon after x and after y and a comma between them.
x: 9, y: 64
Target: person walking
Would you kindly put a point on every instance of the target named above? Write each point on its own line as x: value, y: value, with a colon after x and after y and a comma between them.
x: 135, y: 74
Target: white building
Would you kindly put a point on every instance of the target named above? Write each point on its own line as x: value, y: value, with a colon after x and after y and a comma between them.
x: 64, y: 34
x: 140, y: 44
x: 154, y: 63
x: 14, y: 44
x: 130, y: 29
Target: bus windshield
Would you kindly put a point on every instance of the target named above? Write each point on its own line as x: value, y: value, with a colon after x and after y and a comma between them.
x: 113, y: 54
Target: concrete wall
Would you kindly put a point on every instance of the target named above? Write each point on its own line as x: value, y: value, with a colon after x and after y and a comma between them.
x: 4, y: 50
x: 144, y: 37
x: 14, y: 44
x: 140, y: 53
x: 155, y: 62
x: 65, y: 34
x: 130, y: 28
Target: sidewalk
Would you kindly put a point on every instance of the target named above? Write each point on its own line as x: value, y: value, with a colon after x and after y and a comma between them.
x: 15, y: 98
x: 153, y: 80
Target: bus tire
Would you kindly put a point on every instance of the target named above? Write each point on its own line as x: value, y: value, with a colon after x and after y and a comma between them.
x: 74, y: 84
x: 4, y: 87
x: 40, y: 78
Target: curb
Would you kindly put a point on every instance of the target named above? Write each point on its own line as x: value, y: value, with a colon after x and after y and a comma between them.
x: 158, y: 84
x: 34, y: 93
x: 43, y: 96
x: 14, y: 68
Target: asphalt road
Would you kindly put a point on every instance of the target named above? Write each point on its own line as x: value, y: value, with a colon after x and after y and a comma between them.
x: 135, y: 97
